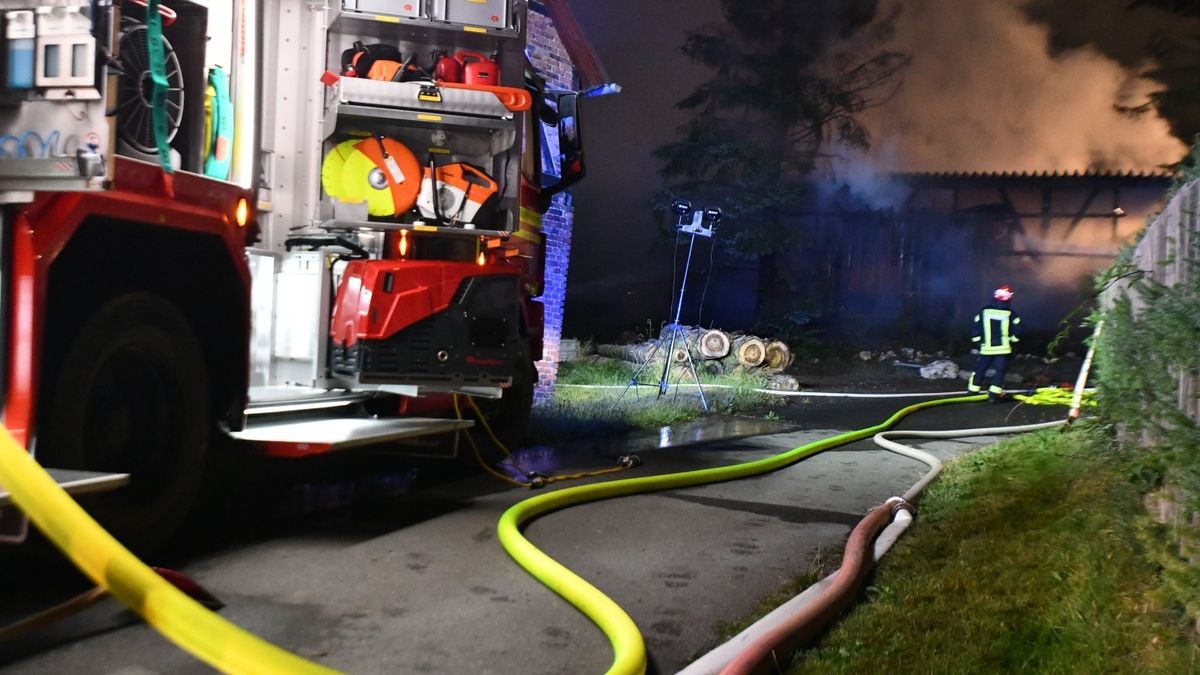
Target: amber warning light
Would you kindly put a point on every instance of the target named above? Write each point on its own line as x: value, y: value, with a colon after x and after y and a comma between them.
x: 242, y: 214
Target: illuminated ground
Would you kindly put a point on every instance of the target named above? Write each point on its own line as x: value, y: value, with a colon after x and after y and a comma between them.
x: 418, y: 583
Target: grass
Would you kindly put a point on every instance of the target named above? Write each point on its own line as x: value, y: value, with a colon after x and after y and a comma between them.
x: 578, y: 412
x: 1025, y: 556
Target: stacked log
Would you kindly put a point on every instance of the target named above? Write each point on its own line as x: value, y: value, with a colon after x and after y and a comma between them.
x: 635, y: 353
x: 777, y: 357
x: 714, y: 344
x: 751, y: 351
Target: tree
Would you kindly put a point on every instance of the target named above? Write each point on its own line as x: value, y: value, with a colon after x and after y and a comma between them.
x: 1184, y: 7
x: 1179, y: 100
x: 789, y: 81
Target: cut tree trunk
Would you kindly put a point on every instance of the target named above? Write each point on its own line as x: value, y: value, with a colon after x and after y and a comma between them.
x: 783, y: 383
x: 680, y: 355
x: 714, y: 344
x: 778, y: 356
x: 750, y: 350
x: 635, y: 353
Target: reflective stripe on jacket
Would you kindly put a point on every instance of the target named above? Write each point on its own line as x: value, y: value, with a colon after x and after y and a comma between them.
x: 994, y: 330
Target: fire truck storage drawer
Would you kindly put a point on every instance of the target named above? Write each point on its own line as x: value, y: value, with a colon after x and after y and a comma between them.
x: 490, y: 13
x: 406, y: 8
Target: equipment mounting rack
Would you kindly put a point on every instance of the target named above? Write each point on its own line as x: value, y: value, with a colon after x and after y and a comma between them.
x: 387, y: 227
x: 417, y: 30
x: 344, y: 112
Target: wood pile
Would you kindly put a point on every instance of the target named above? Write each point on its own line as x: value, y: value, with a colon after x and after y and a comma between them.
x: 714, y: 351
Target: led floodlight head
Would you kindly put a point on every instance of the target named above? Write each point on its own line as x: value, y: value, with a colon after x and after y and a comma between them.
x: 681, y: 207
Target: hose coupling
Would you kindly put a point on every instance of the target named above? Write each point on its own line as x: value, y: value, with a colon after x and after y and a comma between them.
x: 899, y: 504
x: 629, y: 461
x: 537, y: 482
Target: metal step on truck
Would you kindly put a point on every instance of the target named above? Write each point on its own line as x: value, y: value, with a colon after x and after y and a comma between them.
x: 274, y: 227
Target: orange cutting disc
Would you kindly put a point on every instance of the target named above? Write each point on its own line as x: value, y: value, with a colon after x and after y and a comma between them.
x: 383, y: 172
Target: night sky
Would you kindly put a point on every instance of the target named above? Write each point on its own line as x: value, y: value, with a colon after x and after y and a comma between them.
x: 615, y: 280
x: 994, y: 85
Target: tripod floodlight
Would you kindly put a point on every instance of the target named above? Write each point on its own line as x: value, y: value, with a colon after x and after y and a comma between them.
x: 701, y: 222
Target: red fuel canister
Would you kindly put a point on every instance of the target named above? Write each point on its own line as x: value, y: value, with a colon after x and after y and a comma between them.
x: 478, y: 69
x: 446, y: 68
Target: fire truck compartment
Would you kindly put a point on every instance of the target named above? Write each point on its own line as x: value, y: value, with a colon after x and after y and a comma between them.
x: 390, y: 327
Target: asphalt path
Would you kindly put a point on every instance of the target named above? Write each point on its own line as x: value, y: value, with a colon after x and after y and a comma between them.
x: 404, y: 574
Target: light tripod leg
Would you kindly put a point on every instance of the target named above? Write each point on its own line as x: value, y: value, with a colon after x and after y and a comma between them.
x: 678, y: 337
x: 663, y: 386
x: 633, y: 381
x: 696, y: 376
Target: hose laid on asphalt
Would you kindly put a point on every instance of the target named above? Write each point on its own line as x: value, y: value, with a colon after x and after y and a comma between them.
x: 629, y: 650
x: 532, y: 480
x: 713, y: 661
x: 207, y: 636
x: 884, y: 440
x: 792, y: 625
x: 803, y: 626
x: 780, y: 392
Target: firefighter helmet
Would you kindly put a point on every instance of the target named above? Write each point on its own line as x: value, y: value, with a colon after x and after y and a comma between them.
x: 1003, y: 293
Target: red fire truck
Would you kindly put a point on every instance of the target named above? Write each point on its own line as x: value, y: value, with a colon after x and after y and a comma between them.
x: 285, y: 227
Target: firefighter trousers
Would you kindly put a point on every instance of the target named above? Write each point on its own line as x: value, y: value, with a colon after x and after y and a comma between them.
x: 998, y: 364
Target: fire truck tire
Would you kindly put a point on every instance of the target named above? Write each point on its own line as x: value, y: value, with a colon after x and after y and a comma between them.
x: 132, y: 396
x: 509, y: 416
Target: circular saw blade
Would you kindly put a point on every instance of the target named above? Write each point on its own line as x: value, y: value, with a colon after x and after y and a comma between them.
x: 332, y: 168
x: 384, y: 173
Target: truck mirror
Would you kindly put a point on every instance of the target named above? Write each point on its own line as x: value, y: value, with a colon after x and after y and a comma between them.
x: 570, y: 144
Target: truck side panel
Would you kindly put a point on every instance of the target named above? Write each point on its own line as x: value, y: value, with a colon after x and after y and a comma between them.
x: 41, y: 230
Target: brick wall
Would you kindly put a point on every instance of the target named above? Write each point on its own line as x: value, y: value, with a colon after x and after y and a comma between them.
x: 546, y: 50
x: 549, y: 57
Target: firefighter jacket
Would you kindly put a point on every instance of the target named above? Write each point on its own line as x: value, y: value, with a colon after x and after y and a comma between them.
x: 995, y: 329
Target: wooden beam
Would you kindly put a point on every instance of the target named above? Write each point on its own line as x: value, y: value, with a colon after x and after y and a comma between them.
x: 587, y: 63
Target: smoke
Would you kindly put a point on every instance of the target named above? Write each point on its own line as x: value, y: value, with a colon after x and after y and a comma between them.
x: 985, y: 93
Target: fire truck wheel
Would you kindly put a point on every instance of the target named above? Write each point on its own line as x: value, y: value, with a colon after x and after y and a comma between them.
x: 132, y: 396
x: 509, y: 416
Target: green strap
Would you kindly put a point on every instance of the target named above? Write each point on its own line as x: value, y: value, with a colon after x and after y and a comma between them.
x: 158, y: 90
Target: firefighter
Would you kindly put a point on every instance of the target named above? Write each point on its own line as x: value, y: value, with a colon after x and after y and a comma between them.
x: 993, y: 332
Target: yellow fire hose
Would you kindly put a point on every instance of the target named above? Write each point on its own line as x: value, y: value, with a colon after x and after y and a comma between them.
x: 532, y: 480
x: 228, y: 648
x: 180, y: 619
x: 629, y: 651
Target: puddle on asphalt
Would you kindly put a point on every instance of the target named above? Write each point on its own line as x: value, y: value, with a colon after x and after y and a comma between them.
x: 338, y: 491
x: 706, y: 429
x: 549, y: 460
